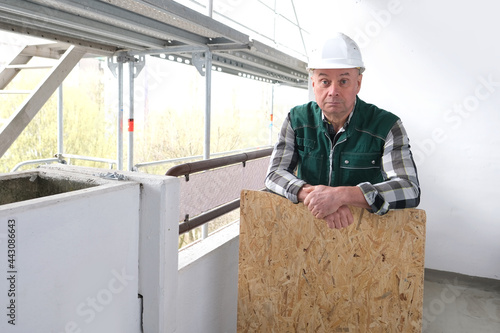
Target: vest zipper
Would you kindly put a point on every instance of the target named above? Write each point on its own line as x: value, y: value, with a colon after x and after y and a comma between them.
x: 332, y: 153
x: 330, y: 159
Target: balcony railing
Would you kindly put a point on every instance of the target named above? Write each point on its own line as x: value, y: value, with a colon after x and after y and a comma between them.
x: 211, y: 188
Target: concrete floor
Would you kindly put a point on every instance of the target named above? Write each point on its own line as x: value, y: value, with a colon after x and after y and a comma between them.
x: 456, y: 303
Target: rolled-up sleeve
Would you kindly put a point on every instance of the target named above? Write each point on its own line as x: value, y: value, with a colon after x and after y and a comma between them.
x: 401, y: 188
x: 281, y: 177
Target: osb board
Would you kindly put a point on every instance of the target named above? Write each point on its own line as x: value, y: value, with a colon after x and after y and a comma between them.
x: 297, y: 275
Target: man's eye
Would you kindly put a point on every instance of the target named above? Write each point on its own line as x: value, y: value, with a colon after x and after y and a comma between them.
x: 324, y: 82
x: 343, y: 82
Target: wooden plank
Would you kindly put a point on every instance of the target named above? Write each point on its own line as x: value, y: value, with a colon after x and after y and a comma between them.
x: 297, y: 275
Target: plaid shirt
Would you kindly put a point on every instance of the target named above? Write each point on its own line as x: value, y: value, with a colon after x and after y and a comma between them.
x: 400, y: 188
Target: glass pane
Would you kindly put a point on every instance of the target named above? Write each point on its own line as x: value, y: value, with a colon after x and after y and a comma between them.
x: 288, y: 34
x: 240, y: 112
x: 250, y: 16
x: 285, y: 8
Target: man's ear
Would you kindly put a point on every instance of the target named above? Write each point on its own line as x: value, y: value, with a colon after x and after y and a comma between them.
x: 360, y: 79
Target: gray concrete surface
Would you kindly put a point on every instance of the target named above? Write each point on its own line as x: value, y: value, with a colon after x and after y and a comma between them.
x: 456, y: 303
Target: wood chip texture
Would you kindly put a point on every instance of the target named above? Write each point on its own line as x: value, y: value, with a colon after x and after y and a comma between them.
x: 297, y: 275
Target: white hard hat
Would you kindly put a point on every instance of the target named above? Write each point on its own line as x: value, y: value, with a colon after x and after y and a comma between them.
x: 338, y: 51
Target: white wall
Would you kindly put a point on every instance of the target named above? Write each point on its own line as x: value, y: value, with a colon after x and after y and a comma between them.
x: 72, y: 264
x: 207, y: 297
x: 435, y: 64
x: 158, y: 244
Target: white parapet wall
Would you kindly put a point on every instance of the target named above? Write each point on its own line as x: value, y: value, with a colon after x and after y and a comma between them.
x: 207, y: 296
x: 68, y: 253
x: 192, y: 290
x: 158, y: 242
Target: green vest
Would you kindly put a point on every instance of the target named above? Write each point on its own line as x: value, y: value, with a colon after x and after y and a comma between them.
x: 357, y: 154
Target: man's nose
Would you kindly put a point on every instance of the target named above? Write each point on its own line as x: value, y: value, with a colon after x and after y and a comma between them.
x: 333, y: 89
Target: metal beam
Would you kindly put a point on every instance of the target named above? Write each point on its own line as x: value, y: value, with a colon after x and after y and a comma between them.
x: 147, y: 27
x: 92, y: 48
x: 27, y: 14
x: 247, y: 65
x: 132, y: 25
x: 128, y: 20
x: 186, y: 18
x: 254, y: 64
x: 26, y: 112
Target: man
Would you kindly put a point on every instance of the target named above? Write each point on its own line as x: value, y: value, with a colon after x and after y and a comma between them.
x: 339, y: 150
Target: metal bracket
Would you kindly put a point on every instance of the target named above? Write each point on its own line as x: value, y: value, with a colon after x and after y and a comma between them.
x: 199, y: 61
x: 60, y: 159
x: 113, y: 66
x: 111, y: 175
x: 138, y: 60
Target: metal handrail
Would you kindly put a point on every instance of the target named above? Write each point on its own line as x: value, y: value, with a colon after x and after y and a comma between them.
x: 40, y: 161
x: 88, y: 158
x: 195, y: 157
x: 188, y: 168
x: 198, y: 221
x: 60, y: 158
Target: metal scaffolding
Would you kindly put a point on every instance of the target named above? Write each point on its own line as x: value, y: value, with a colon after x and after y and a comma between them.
x: 127, y: 30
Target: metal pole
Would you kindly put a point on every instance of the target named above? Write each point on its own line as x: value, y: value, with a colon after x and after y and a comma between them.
x: 60, y: 123
x: 131, y: 118
x: 208, y: 111
x: 119, y: 139
x: 271, y: 117
x: 208, y: 103
x: 210, y: 8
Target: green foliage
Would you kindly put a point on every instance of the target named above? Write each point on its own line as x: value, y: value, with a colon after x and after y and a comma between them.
x: 86, y: 128
x: 89, y: 129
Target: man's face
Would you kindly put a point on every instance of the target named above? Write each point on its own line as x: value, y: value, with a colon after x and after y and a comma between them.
x: 335, y: 91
